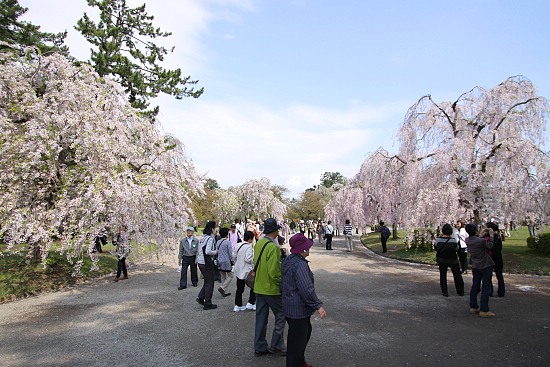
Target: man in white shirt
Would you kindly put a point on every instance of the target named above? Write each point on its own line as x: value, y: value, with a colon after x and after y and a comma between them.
x: 328, y: 235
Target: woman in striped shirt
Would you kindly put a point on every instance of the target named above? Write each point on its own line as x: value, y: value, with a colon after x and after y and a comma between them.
x: 347, y: 232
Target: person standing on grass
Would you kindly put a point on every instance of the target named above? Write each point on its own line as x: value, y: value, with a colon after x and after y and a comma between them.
x: 482, y: 269
x: 188, y: 258
x: 244, y: 262
x: 299, y: 300
x: 122, y: 252
x: 384, y: 235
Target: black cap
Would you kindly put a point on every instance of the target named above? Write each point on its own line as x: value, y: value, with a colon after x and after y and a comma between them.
x: 270, y: 225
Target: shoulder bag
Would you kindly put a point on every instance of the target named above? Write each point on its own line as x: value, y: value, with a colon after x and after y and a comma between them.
x: 251, y: 276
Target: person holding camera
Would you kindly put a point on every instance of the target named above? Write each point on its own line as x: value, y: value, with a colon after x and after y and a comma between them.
x: 479, y: 249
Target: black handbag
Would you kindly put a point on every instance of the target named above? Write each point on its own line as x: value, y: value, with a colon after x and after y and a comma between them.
x: 210, y: 262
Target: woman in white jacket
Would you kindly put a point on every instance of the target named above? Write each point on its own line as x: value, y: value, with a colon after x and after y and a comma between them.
x: 243, y: 257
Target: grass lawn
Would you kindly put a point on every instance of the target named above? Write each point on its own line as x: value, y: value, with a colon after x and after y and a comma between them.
x: 517, y: 257
x: 18, y: 279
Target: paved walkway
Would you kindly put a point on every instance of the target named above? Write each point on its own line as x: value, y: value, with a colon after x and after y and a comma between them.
x: 379, y: 313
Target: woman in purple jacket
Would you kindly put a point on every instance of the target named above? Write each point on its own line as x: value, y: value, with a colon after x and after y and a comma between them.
x: 299, y: 299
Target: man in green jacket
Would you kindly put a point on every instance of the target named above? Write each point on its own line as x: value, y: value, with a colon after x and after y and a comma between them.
x: 267, y: 256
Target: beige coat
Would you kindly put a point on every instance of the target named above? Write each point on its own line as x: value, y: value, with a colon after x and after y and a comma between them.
x: 244, y: 259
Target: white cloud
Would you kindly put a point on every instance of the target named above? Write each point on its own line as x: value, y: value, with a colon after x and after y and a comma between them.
x: 235, y: 140
x: 232, y: 141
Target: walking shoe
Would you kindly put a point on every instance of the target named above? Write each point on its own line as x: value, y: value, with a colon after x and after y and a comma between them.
x: 239, y: 308
x: 180, y: 288
x: 278, y: 352
x: 486, y: 314
x: 200, y: 301
x: 226, y: 294
x: 250, y: 306
x: 116, y: 279
x: 126, y: 277
x: 210, y: 307
x: 263, y: 353
x: 474, y: 310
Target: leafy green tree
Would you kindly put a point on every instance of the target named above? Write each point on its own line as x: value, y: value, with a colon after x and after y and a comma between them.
x: 212, y: 184
x: 21, y: 33
x: 311, y: 205
x: 123, y: 49
x: 328, y: 179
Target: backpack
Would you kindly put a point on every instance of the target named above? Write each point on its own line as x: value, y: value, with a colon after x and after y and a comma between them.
x: 387, y: 232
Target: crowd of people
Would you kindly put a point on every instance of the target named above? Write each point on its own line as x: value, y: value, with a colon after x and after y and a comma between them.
x: 485, y: 249
x: 284, y: 284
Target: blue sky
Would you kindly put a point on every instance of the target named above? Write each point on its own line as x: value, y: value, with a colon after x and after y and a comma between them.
x: 295, y: 88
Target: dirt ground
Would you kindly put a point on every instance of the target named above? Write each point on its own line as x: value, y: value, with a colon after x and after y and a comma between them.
x: 380, y: 312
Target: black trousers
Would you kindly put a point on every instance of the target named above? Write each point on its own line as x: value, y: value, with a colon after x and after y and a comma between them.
x: 299, y: 332
x: 463, y: 259
x: 459, y: 282
x: 501, y: 290
x: 384, y: 239
x: 100, y: 240
x: 208, y: 286
x: 328, y: 238
x: 121, y: 267
x: 241, y: 284
x: 188, y: 262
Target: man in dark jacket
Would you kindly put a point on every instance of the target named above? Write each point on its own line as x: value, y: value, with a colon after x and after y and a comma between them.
x: 384, y: 235
x: 482, y: 268
x: 299, y: 299
x: 447, y: 247
x: 497, y: 258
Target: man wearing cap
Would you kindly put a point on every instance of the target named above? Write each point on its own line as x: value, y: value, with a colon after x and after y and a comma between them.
x: 187, y: 257
x: 299, y: 299
x: 234, y: 236
x: 267, y: 257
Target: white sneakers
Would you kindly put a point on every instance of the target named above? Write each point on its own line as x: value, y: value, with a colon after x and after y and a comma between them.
x: 243, y: 308
x: 239, y: 308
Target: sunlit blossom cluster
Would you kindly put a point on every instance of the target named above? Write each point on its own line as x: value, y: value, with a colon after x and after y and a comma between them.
x: 76, y: 159
x: 254, y: 199
x: 475, y: 158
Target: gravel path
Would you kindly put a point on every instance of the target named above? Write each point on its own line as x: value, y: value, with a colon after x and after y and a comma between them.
x: 380, y: 312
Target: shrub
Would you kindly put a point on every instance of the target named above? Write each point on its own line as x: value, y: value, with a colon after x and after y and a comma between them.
x: 540, y: 243
x: 422, y: 239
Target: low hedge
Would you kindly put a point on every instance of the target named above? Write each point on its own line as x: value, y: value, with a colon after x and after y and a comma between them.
x: 540, y: 244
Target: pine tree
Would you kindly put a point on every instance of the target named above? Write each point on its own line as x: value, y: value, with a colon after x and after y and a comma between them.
x: 123, y: 49
x: 20, y: 33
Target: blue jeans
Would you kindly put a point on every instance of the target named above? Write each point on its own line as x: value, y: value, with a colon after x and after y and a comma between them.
x: 481, y: 282
x: 263, y: 304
